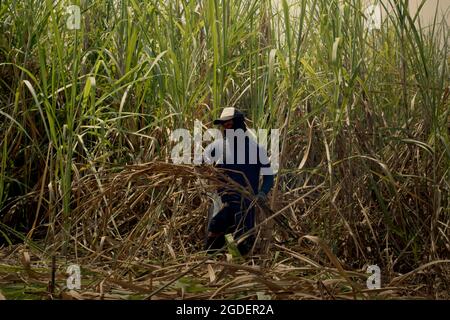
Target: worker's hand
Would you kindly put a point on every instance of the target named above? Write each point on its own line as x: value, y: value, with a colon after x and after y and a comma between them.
x: 261, y: 197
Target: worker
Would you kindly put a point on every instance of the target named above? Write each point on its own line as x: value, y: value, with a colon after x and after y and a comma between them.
x: 242, y: 159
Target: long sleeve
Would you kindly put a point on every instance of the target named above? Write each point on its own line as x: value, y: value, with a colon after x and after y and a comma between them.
x: 266, y: 171
x: 267, y: 184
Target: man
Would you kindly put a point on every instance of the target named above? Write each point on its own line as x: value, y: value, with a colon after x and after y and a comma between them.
x: 242, y: 159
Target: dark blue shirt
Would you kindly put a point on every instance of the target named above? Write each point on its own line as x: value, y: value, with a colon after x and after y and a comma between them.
x: 243, y: 160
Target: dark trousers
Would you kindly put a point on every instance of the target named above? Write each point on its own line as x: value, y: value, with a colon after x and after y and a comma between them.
x: 236, y: 218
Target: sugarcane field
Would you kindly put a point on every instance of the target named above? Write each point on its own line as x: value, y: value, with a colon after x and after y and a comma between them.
x: 237, y: 150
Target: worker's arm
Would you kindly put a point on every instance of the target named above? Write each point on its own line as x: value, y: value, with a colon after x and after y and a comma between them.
x: 267, y: 173
x: 213, y: 152
x: 267, y: 184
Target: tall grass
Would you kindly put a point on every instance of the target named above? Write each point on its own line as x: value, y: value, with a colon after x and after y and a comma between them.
x: 364, y: 117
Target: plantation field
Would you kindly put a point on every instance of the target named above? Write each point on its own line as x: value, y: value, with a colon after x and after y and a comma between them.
x: 87, y: 108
